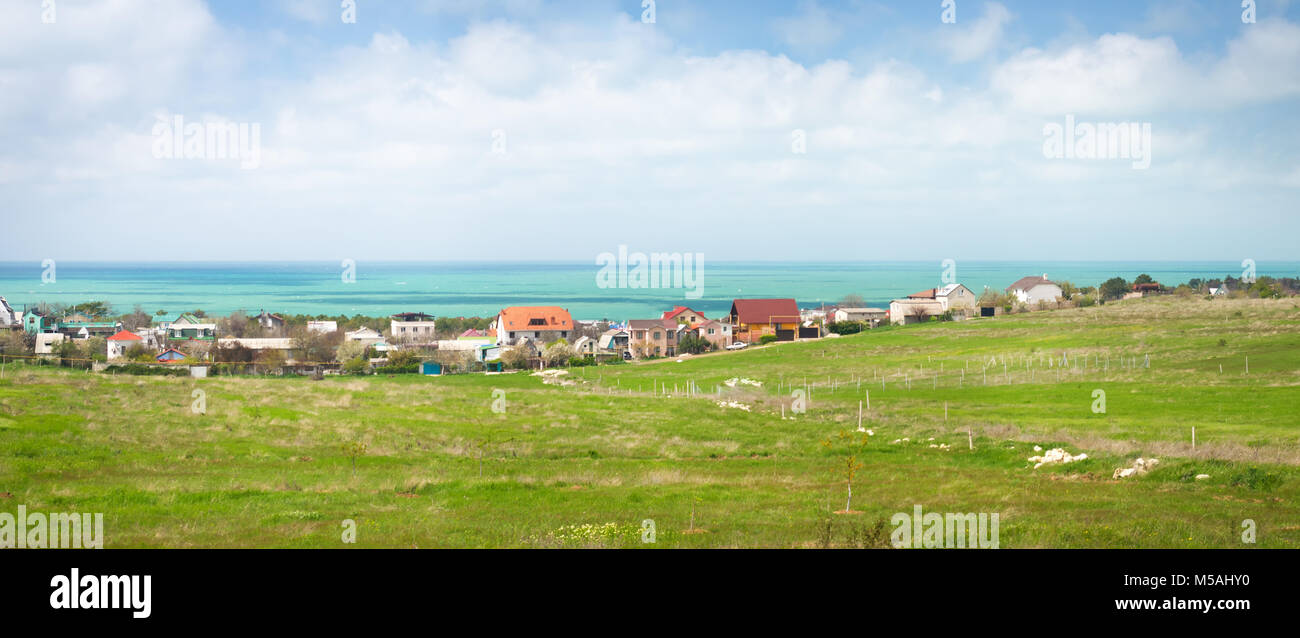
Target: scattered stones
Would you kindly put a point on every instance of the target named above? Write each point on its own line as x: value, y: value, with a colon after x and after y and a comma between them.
x: 1054, y: 455
x: 1140, y: 466
x: 733, y: 404
x: 731, y: 383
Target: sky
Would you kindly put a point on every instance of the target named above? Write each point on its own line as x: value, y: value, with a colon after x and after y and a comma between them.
x: 736, y: 130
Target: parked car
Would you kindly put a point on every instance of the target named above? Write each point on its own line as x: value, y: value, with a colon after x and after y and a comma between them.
x: 737, y: 345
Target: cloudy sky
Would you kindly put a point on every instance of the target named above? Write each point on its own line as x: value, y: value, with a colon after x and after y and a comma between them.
x: 528, y: 129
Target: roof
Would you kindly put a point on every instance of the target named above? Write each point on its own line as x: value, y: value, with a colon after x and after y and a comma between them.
x: 649, y: 324
x: 947, y: 290
x: 535, y: 318
x: 170, y: 351
x: 924, y: 294
x: 677, y: 310
x: 7, y: 314
x: 473, y: 333
x: 765, y: 310
x: 125, y: 335
x: 860, y: 310
x: 1026, y: 283
x: 412, y: 316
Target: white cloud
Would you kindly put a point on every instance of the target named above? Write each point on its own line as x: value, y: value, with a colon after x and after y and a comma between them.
x: 608, y: 125
x: 1124, y: 73
x: 969, y: 41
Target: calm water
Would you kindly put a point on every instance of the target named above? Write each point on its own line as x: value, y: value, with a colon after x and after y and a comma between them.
x: 481, y: 289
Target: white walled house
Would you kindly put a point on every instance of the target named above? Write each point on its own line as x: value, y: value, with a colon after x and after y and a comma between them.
x: 873, y: 315
x: 119, y: 343
x: 910, y: 311
x: 1031, y: 290
x: 364, y: 335
x: 957, y: 298
x: 324, y: 327
x: 413, y: 327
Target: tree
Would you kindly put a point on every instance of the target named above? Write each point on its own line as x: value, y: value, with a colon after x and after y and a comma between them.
x: 692, y: 343
x: 314, y: 346
x: 1068, y: 289
x: 350, y: 350
x: 515, y: 357
x: 559, y: 353
x: 919, y: 312
x: 1143, y: 279
x: 852, y: 301
x: 1114, y: 288
x: 136, y: 319
x: 232, y: 353
x: 93, y: 309
x: 852, y: 443
x: 355, y: 365
x: 271, y: 359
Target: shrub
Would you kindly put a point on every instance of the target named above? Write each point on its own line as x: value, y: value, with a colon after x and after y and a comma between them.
x: 846, y: 327
x: 766, y: 339
x: 691, y: 343
x: 356, y: 365
x: 1256, y: 479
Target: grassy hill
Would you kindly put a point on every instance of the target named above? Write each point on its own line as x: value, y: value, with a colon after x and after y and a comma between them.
x: 583, y: 461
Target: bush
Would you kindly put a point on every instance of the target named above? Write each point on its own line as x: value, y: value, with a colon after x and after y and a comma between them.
x: 766, y: 339
x: 1256, y: 479
x: 356, y: 365
x: 692, y: 343
x: 146, y: 370
x: 846, y: 327
x: 409, y: 368
x: 588, y: 360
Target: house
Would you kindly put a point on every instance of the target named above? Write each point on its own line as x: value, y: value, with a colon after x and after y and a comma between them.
x: 1031, y: 290
x: 119, y: 343
x: 820, y: 313
x: 364, y: 335
x: 87, y: 329
x: 910, y: 311
x: 1218, y: 291
x: 45, y: 341
x: 585, y: 345
x: 684, y: 315
x: 268, y: 321
x: 751, y: 319
x: 473, y: 333
x: 541, y: 324
x: 870, y: 316
x: 954, y: 298
x: 188, y: 327
x: 715, y: 332
x: 1153, y: 287
x: 413, y: 327
x: 653, y: 337
x: 39, y: 321
x: 170, y: 355
x: 8, y: 318
x: 324, y: 327
x: 614, y: 341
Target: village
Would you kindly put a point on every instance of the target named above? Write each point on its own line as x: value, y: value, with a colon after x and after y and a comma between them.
x: 518, y: 337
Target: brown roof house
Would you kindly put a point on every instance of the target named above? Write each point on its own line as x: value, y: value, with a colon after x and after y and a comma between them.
x: 751, y: 319
x: 1033, y: 289
x: 653, y: 337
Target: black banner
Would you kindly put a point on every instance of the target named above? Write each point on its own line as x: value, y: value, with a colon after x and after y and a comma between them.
x: 325, y: 587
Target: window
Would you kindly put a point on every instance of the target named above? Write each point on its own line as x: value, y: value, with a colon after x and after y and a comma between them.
x: 710, y: 330
x: 656, y: 337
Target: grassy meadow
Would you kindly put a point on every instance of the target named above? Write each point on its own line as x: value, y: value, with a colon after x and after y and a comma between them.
x: 583, y: 461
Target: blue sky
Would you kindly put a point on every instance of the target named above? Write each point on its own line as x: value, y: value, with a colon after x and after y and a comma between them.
x: 525, y: 129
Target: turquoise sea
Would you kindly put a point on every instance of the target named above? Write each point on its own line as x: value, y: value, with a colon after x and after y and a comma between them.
x: 481, y: 289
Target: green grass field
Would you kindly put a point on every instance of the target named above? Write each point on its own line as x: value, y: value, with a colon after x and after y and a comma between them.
x: 265, y: 466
